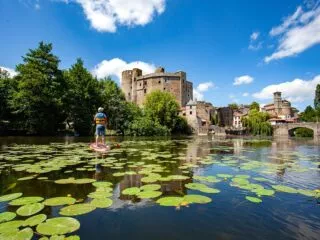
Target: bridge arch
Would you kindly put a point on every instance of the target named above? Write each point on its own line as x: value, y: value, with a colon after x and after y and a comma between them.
x: 283, y: 130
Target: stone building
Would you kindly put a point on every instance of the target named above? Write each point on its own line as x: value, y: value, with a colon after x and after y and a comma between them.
x: 225, y: 116
x: 280, y: 108
x: 136, y: 86
x: 199, y: 115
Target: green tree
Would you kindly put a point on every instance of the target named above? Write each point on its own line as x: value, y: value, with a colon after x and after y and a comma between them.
x: 162, y: 107
x: 82, y: 99
x: 317, y: 98
x: 309, y: 115
x: 37, y: 100
x: 254, y: 106
x: 233, y: 106
x: 5, y: 92
x: 257, y: 123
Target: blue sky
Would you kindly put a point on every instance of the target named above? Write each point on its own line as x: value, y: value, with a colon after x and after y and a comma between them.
x: 233, y: 51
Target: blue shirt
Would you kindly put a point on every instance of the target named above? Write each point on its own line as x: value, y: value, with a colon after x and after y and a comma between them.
x: 101, y: 116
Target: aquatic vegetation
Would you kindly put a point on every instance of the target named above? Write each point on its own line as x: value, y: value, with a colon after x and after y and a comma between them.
x: 192, y: 198
x: 25, y: 200
x: 30, y: 209
x: 58, y: 226
x: 150, y: 187
x: 24, y: 234
x: 253, y: 199
x: 201, y: 187
x: 57, y: 201
x: 286, y: 189
x: 10, y: 197
x: 7, y: 216
x: 131, y: 191
x: 149, y: 194
x: 170, y: 201
x: 34, y: 220
x: 77, y: 209
x: 101, y: 203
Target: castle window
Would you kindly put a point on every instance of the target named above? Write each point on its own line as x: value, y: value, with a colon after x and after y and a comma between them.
x: 145, y: 90
x: 164, y: 89
x: 140, y: 84
x: 190, y: 112
x: 159, y: 81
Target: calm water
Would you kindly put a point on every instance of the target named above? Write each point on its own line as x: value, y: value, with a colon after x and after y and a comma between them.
x: 292, y: 163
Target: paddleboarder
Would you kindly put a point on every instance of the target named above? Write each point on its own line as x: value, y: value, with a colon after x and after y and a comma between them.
x: 100, y: 120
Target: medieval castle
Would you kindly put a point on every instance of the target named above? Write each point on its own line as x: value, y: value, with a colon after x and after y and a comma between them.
x: 136, y: 86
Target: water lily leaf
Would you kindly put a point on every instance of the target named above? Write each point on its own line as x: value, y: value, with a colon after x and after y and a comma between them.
x: 170, y: 201
x: 119, y: 174
x: 30, y: 209
x: 84, y: 181
x: 242, y: 176
x: 77, y: 209
x: 99, y: 195
x: 131, y: 191
x: 57, y: 237
x: 102, y: 184
x: 193, y: 198
x: 65, y: 181
x: 264, y: 192
x: 178, y: 177
x: 201, y: 187
x: 10, y: 197
x: 58, y: 201
x: 308, y: 193
x: 253, y: 199
x: 211, y: 179
x: 24, y: 234
x: 101, y: 203
x: 149, y: 194
x: 224, y: 175
x: 150, y: 187
x: 25, y: 178
x: 58, y: 226
x: 261, y: 179
x: 35, y: 220
x: 42, y: 178
x: 74, y: 237
x: 25, y: 200
x: 11, y: 226
x: 7, y: 216
x: 286, y: 189
x: 150, y: 179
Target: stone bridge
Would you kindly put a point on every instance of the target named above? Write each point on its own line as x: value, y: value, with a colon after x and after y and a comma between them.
x: 283, y: 130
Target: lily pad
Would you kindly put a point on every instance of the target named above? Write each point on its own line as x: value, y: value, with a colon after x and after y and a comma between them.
x: 178, y: 177
x: 286, y: 189
x: 25, y: 178
x: 35, y: 220
x: 74, y: 237
x: 24, y: 234
x: 30, y: 209
x: 150, y: 179
x: 265, y: 192
x: 253, y: 199
x: 65, y: 181
x: 224, y: 175
x: 101, y: 203
x: 58, y: 226
x: 202, y: 188
x: 77, y: 209
x: 10, y: 197
x: 131, y: 191
x: 102, y: 184
x: 25, y: 200
x: 149, y: 194
x: 170, y: 201
x: 58, y: 201
x: 193, y: 198
x: 150, y: 187
x: 308, y: 193
x: 7, y: 216
x: 84, y: 181
x: 11, y: 226
x: 99, y: 195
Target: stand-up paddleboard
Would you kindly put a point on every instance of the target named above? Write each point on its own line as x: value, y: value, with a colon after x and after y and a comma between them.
x: 100, y: 148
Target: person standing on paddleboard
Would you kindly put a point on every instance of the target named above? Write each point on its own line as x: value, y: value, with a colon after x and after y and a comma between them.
x: 101, y: 122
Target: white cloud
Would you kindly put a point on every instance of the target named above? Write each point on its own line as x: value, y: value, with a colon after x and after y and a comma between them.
x: 245, y: 94
x: 246, y: 79
x: 296, y: 91
x: 116, y: 66
x: 296, y: 34
x: 106, y: 15
x: 11, y: 72
x: 200, y: 89
x: 254, y: 36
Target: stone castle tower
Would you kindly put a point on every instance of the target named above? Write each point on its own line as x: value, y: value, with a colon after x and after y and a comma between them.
x: 136, y: 86
x: 277, y: 101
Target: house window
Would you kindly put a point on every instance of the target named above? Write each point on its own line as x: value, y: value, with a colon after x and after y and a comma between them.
x: 164, y: 89
x: 159, y: 81
x: 145, y: 90
x: 190, y: 112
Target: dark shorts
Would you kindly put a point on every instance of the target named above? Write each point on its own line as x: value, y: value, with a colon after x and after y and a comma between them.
x: 100, y: 130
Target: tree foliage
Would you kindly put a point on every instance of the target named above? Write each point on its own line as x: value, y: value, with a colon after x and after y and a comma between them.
x: 317, y: 98
x: 82, y: 98
x: 254, y: 106
x: 5, y: 92
x: 161, y: 107
x: 37, y: 100
x: 310, y: 114
x: 233, y: 106
x: 257, y: 123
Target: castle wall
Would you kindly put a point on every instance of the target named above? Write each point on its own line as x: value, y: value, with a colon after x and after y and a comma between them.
x: 126, y: 84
